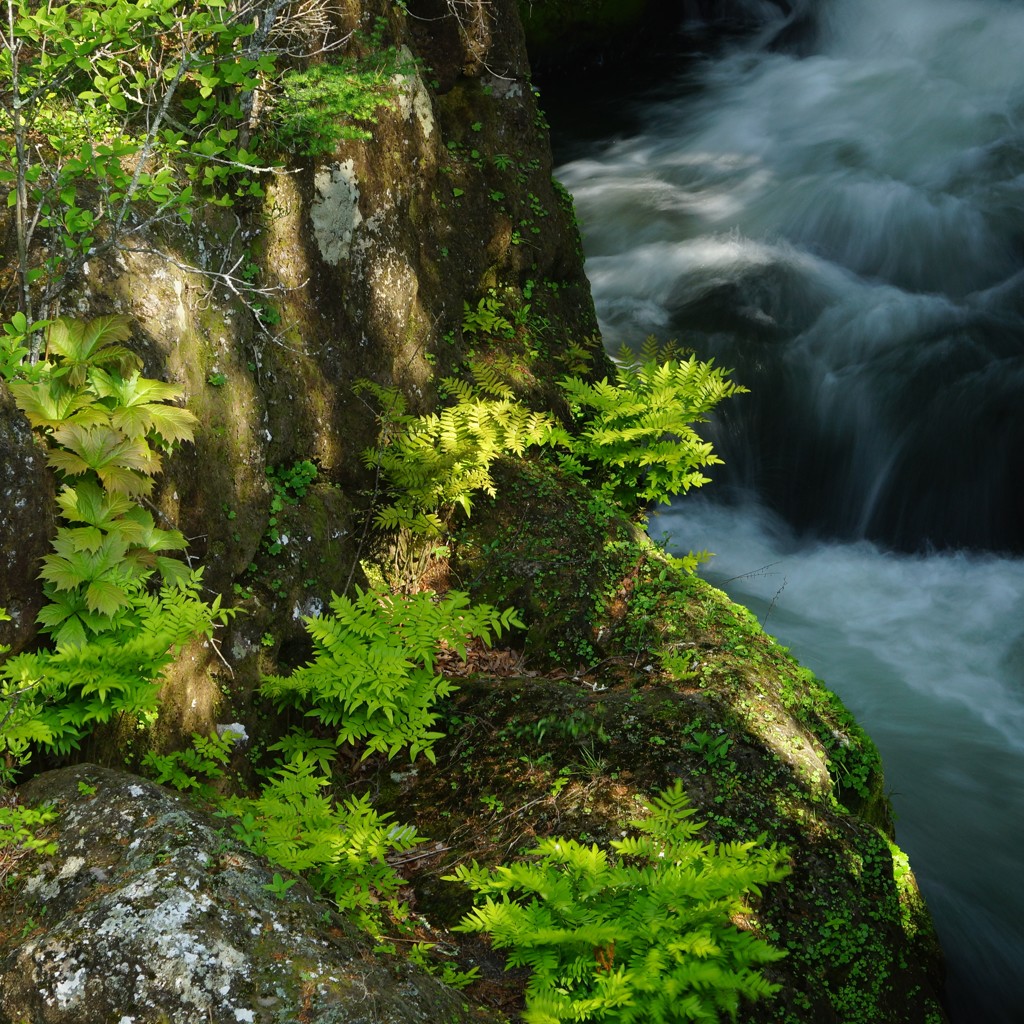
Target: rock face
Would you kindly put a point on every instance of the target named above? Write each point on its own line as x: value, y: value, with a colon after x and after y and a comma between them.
x: 147, y: 914
x: 26, y: 522
x: 366, y: 258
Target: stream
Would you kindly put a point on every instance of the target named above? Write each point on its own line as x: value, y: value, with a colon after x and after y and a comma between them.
x: 835, y: 209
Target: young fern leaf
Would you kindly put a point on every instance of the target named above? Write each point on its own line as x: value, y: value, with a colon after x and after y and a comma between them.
x: 372, y: 679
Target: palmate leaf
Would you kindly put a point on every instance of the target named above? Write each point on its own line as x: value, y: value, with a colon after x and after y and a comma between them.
x: 81, y: 344
x: 86, y: 502
x: 106, y: 596
x: 68, y: 619
x: 48, y: 404
x: 139, y: 525
x: 123, y: 464
x: 141, y: 406
x: 69, y: 566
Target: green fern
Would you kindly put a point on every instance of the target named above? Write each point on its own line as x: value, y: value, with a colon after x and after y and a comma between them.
x: 342, y: 849
x: 487, y: 318
x: 436, y: 463
x: 645, y: 937
x: 182, y: 769
x: 633, y: 440
x: 372, y: 680
x: 635, y: 436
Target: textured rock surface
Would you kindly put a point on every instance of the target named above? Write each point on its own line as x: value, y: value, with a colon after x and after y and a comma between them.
x: 26, y: 522
x: 147, y: 914
x: 367, y: 257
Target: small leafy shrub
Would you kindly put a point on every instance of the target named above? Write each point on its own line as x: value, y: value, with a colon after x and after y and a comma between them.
x: 19, y: 833
x: 645, y: 938
x: 372, y: 679
x: 487, y: 319
x: 107, y: 428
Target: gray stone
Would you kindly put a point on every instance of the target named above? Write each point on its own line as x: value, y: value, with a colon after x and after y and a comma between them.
x: 147, y: 913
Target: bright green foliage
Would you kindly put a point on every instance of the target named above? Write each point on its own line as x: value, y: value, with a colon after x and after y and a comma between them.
x: 296, y: 823
x: 435, y: 463
x: 318, y: 106
x: 421, y: 955
x: 113, y: 112
x: 634, y: 442
x: 107, y: 426
x: 15, y: 347
x: 643, y: 938
x: 181, y: 768
x: 52, y: 698
x: 635, y: 438
x: 341, y: 849
x: 18, y: 825
x: 372, y: 680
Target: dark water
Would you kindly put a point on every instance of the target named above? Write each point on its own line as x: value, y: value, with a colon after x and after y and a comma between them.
x: 838, y: 213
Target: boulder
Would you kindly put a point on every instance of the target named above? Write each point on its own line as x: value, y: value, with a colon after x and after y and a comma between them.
x: 149, y: 913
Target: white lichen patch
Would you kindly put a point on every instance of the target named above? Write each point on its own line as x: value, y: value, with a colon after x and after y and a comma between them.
x: 413, y: 98
x: 335, y: 210
x: 179, y: 957
x: 70, y: 989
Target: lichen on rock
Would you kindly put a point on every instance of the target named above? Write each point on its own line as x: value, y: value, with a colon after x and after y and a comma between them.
x: 149, y: 913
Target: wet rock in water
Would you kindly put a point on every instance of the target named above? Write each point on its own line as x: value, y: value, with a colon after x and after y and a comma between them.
x: 148, y: 913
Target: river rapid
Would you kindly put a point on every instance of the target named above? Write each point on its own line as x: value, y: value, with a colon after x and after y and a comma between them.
x: 835, y: 209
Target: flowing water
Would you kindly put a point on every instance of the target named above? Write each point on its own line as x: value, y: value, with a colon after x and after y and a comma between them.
x: 838, y: 213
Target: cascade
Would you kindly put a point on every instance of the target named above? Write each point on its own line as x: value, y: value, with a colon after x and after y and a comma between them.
x: 838, y: 214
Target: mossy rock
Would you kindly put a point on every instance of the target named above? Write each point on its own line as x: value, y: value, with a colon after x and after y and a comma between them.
x: 687, y: 687
x: 539, y: 547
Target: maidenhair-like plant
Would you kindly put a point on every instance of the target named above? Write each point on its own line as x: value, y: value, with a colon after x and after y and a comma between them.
x: 645, y: 937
